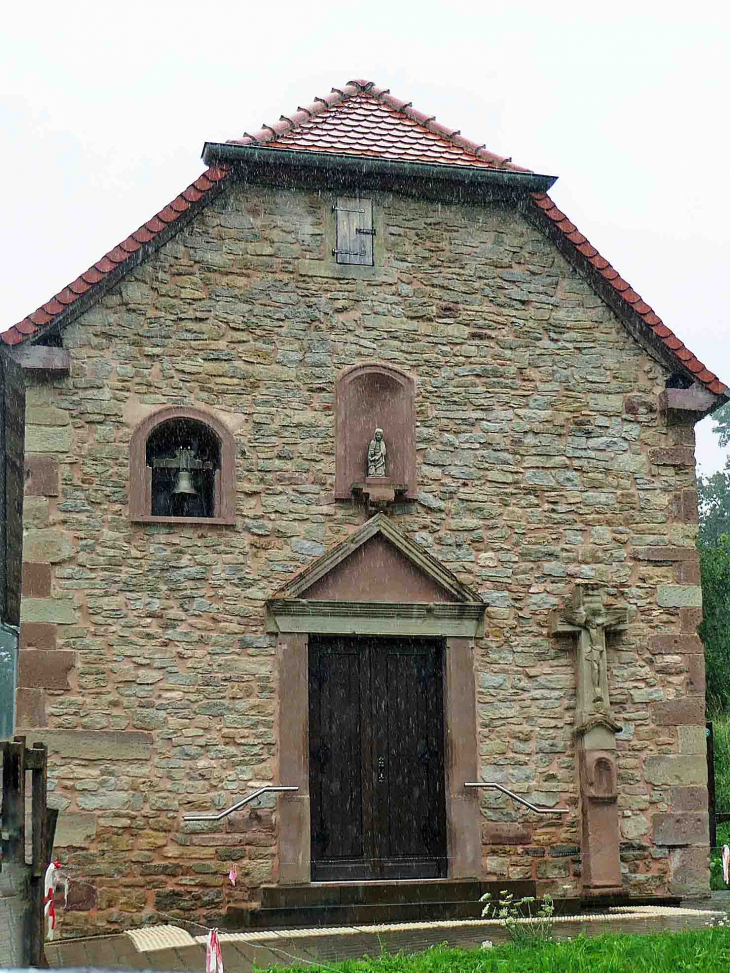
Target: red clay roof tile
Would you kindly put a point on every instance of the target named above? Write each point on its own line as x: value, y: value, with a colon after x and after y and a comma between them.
x: 14, y: 335
x: 143, y: 235
x: 362, y: 119
x: 26, y: 326
x: 123, y: 252
x: 79, y: 286
x: 547, y: 208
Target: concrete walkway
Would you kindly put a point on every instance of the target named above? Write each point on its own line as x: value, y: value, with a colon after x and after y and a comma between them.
x: 171, y: 948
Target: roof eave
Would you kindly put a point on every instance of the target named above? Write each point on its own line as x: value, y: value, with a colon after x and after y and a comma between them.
x: 216, y: 153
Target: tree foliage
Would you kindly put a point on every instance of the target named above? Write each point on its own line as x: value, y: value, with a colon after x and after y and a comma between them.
x: 713, y: 542
x: 715, y: 628
x: 722, y: 424
x: 714, y: 503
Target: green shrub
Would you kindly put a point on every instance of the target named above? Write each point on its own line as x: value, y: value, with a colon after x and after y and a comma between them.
x: 512, y: 915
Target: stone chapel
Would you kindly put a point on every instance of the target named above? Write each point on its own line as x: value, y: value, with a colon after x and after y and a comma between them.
x: 357, y: 471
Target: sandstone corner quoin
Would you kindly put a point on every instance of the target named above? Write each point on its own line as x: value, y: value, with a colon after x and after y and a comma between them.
x: 514, y: 595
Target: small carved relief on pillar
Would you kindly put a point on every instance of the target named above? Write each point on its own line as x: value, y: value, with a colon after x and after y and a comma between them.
x: 375, y: 435
x: 599, y: 776
x: 590, y: 621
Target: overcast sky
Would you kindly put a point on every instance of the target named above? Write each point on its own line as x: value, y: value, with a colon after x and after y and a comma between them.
x: 105, y: 109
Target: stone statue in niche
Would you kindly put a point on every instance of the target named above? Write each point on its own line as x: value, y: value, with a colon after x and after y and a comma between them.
x: 376, y: 454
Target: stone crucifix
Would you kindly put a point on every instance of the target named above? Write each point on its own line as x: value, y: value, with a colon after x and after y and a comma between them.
x: 596, y: 729
x: 589, y: 620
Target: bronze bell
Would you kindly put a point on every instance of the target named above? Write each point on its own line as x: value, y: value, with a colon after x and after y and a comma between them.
x: 184, y: 484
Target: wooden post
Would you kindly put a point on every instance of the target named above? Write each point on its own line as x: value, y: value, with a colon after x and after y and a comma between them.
x: 14, y: 800
x: 27, y: 879
x: 37, y: 758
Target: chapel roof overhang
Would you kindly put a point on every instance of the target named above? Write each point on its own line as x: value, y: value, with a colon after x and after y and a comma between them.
x: 363, y: 125
x: 352, y: 163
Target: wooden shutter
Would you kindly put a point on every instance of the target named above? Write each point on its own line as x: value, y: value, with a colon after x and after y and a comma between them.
x: 354, y: 231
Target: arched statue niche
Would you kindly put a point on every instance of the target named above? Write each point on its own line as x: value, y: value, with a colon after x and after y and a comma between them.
x: 375, y: 403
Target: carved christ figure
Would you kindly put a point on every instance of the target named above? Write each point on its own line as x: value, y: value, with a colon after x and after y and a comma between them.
x: 593, y: 622
x: 589, y: 620
x: 376, y: 454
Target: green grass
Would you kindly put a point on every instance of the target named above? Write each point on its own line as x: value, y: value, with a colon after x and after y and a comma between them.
x: 704, y: 951
x: 721, y: 733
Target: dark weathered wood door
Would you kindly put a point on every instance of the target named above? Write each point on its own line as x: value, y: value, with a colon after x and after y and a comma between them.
x: 376, y: 763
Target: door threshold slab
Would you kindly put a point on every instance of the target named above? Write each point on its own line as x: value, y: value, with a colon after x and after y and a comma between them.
x: 386, y: 881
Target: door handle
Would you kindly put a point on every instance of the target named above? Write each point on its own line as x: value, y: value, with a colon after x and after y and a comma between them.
x: 381, y: 770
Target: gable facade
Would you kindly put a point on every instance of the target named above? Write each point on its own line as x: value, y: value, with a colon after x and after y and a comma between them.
x: 545, y: 456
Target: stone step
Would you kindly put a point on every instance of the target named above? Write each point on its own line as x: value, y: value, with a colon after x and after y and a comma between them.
x: 368, y: 903
x: 382, y: 893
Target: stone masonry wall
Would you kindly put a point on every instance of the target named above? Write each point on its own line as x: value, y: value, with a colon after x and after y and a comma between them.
x: 543, y: 457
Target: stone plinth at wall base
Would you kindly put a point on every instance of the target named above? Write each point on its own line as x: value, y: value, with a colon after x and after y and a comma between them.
x: 598, y: 893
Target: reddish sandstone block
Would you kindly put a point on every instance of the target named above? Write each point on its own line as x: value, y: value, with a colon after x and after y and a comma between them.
x: 683, y: 507
x: 696, y: 679
x: 672, y: 456
x: 37, y: 635
x: 676, y: 712
x: 36, y: 580
x: 689, y: 871
x: 40, y: 669
x: 506, y: 834
x: 30, y: 708
x: 691, y: 828
x: 690, y: 619
x: 41, y: 476
x: 688, y: 572
x: 671, y: 644
x: 81, y: 897
x: 688, y: 798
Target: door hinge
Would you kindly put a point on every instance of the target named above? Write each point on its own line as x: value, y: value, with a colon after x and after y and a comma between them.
x: 350, y: 253
x: 365, y: 232
x: 343, y: 209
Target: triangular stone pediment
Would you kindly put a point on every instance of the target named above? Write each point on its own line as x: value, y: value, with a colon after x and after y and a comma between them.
x: 378, y: 563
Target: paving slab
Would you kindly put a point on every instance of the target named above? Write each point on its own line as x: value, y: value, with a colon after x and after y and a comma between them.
x: 172, y: 949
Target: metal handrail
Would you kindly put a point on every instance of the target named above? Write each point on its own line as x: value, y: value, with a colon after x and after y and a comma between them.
x: 237, y: 807
x: 516, y: 797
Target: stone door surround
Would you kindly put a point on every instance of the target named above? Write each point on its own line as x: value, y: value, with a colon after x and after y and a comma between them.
x: 377, y: 562
x: 463, y: 817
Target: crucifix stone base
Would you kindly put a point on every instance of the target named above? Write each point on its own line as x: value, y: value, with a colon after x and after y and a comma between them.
x: 596, y: 730
x: 601, y: 864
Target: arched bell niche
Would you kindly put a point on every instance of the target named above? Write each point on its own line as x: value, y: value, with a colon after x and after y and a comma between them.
x: 182, y: 468
x: 370, y: 396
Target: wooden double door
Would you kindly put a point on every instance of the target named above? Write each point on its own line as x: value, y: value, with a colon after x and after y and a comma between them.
x: 376, y: 758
